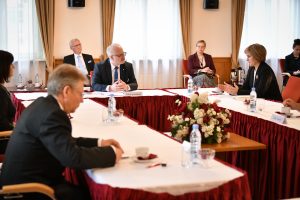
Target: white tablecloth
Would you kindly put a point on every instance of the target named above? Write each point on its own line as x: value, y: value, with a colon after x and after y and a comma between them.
x: 236, y: 103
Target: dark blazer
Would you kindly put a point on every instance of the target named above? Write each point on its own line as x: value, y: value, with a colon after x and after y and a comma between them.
x: 7, y: 110
x: 41, y: 146
x: 102, y: 76
x: 194, y: 64
x: 292, y: 64
x: 265, y: 84
x: 88, y: 59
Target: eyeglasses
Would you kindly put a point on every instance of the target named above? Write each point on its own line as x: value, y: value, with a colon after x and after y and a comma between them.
x: 120, y: 55
x: 76, y: 45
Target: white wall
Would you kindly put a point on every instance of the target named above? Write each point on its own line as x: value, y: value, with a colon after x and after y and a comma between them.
x: 82, y: 23
x: 213, y: 26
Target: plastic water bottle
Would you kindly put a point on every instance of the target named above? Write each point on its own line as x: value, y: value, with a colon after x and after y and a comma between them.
x: 195, y: 140
x: 190, y: 85
x: 36, y: 78
x: 253, y: 97
x: 111, y: 107
x: 20, y: 79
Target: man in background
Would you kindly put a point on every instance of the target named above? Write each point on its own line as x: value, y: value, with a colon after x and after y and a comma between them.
x: 84, y: 62
x: 114, y: 74
x: 42, y: 145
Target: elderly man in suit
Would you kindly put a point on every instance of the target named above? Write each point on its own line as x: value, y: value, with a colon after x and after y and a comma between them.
x: 42, y: 145
x: 84, y: 62
x: 114, y: 74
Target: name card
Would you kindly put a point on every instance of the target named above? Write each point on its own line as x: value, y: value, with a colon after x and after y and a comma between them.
x: 278, y: 118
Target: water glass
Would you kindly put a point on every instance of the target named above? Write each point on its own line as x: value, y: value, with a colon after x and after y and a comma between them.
x: 206, y: 156
x: 186, y: 154
x: 105, y: 119
x: 260, y: 104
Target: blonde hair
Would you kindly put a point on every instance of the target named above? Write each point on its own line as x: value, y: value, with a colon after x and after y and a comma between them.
x: 63, y: 75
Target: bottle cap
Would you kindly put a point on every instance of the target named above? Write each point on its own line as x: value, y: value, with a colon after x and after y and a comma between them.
x: 195, y: 126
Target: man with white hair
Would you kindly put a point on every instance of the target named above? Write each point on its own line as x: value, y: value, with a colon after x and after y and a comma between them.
x: 114, y: 74
x: 84, y: 62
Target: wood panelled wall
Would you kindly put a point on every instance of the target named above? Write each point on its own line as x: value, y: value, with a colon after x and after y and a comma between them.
x: 223, y: 67
x: 222, y: 64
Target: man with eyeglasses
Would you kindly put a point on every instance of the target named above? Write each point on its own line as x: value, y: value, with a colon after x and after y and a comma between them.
x: 42, y: 145
x: 84, y: 62
x: 114, y: 74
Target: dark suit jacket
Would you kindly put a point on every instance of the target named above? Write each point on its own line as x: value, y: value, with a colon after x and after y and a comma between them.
x: 88, y: 59
x: 41, y: 146
x: 292, y: 64
x: 194, y: 64
x: 7, y: 110
x: 102, y: 76
x: 265, y: 84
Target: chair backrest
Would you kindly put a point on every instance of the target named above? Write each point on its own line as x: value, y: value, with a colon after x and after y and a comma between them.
x: 281, y: 64
x: 16, y: 191
x: 291, y: 89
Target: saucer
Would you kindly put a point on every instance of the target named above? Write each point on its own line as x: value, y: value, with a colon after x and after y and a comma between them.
x: 135, y: 159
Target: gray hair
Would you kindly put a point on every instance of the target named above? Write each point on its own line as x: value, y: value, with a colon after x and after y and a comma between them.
x: 63, y: 75
x: 111, y: 47
x: 72, y: 41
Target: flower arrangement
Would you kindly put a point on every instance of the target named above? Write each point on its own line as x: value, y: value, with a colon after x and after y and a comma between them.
x: 214, y: 122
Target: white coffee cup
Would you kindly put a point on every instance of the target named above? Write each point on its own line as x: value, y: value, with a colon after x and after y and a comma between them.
x: 142, y: 151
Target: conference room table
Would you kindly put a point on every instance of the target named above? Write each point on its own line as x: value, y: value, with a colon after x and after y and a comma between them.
x: 273, y: 173
x: 135, y: 179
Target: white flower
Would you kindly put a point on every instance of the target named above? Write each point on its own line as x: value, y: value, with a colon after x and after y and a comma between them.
x: 219, y: 140
x: 206, y: 135
x: 178, y: 102
x: 218, y: 129
x: 200, y: 121
x: 203, y: 98
x: 187, y: 119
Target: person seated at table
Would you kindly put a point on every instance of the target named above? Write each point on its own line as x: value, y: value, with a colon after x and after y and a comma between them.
x: 201, y: 66
x: 84, y: 62
x: 291, y: 103
x: 7, y: 108
x: 260, y: 76
x: 114, y: 74
x: 42, y: 145
x: 292, y: 62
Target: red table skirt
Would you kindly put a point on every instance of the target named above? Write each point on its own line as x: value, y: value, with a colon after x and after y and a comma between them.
x: 236, y: 189
x: 150, y: 110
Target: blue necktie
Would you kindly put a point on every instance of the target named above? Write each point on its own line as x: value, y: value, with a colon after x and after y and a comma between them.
x: 116, y: 74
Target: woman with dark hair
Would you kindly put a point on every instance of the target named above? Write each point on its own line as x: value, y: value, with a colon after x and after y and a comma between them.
x: 7, y: 108
x: 201, y: 66
x: 292, y: 61
x: 260, y: 76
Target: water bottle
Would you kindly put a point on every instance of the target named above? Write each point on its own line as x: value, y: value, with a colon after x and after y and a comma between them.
x: 36, y: 78
x: 111, y: 107
x: 190, y: 85
x: 195, y: 140
x: 253, y: 96
x: 20, y: 80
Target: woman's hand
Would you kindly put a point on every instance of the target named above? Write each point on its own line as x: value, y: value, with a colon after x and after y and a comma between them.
x: 228, y: 88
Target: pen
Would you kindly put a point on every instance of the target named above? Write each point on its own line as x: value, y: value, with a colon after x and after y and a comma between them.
x: 157, y: 164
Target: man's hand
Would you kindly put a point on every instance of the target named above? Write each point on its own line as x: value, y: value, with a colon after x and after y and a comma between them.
x: 117, y: 147
x: 119, y: 86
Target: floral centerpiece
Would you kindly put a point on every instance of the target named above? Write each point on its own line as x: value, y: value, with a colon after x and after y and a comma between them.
x: 214, y: 122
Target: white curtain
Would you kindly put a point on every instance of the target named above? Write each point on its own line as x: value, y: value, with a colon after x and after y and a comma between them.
x: 274, y: 24
x: 150, y: 33
x: 20, y: 35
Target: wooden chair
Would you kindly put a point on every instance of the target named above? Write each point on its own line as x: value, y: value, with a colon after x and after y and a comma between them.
x: 17, y: 191
x: 4, y: 136
x: 186, y: 74
x: 291, y: 89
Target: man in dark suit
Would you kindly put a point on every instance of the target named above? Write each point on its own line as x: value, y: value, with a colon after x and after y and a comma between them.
x: 114, y: 74
x: 84, y: 62
x: 42, y: 145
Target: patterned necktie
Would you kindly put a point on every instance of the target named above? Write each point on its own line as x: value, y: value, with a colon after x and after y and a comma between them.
x: 116, y: 77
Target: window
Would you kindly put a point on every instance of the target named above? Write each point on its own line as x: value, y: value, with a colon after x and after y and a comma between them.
x: 274, y: 24
x: 20, y: 36
x: 150, y: 32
